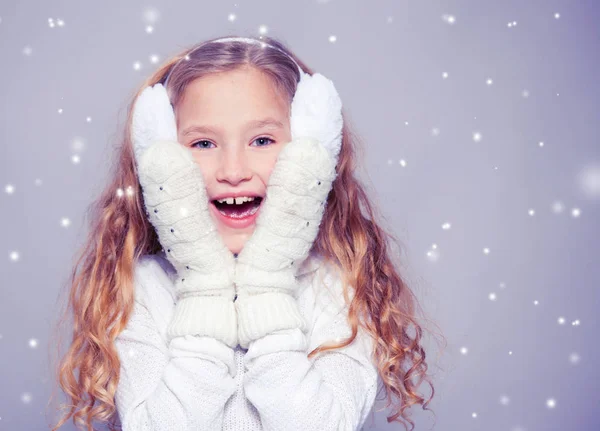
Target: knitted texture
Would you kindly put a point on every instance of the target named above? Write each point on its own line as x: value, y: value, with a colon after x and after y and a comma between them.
x: 286, y: 228
x: 178, y: 208
x: 177, y: 205
x: 199, y: 383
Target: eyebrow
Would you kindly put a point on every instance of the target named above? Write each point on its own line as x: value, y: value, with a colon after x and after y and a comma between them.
x: 256, y: 124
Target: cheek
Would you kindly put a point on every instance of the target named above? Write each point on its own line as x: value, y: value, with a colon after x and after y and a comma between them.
x: 206, y: 168
x: 273, y: 162
x: 266, y: 166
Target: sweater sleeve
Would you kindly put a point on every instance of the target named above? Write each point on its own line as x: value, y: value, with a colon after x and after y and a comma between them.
x: 333, y: 391
x: 181, y: 386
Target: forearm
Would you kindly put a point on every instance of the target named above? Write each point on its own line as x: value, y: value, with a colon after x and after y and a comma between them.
x: 184, y: 386
x: 291, y: 392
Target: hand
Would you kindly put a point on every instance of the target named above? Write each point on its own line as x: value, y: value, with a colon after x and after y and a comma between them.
x: 177, y: 206
x: 286, y: 228
x: 289, y: 220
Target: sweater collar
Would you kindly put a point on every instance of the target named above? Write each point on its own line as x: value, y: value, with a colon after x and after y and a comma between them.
x: 310, y: 264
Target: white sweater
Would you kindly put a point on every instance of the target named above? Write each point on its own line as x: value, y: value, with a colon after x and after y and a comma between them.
x: 200, y: 383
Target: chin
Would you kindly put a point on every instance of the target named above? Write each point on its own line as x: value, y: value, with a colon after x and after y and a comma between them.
x: 235, y: 241
x: 235, y: 250
x: 235, y: 244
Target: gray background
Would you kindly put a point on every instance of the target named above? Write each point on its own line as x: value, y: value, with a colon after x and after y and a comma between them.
x: 510, y: 363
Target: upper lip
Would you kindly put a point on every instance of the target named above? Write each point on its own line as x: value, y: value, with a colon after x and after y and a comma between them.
x: 235, y: 195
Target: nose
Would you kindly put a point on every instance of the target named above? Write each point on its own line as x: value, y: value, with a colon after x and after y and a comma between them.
x: 233, y: 166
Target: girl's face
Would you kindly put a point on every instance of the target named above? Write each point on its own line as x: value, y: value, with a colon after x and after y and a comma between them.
x: 235, y: 124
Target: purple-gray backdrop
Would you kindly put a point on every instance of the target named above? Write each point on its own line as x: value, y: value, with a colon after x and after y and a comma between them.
x: 480, y: 128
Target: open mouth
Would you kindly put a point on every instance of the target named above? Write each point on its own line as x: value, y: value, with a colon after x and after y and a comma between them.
x: 240, y: 211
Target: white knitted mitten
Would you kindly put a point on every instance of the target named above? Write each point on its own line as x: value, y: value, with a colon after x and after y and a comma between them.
x: 177, y: 206
x: 286, y: 228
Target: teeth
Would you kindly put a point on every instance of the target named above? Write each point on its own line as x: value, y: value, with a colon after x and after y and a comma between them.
x: 238, y: 201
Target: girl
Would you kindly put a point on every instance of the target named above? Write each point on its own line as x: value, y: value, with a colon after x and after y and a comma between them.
x: 238, y: 284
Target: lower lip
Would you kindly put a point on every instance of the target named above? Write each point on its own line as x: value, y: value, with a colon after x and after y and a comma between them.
x: 236, y: 223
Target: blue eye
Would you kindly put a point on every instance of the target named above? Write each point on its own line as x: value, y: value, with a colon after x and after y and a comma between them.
x: 197, y: 143
x: 263, y: 138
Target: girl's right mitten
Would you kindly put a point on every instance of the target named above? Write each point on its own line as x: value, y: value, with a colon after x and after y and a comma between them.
x: 178, y: 207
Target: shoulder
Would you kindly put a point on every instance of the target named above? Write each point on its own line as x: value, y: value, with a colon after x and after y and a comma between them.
x: 320, y: 294
x: 323, y: 284
x: 322, y: 298
x: 154, y: 279
x: 154, y: 275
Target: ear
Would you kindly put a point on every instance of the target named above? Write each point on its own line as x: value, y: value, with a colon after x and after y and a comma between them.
x: 316, y: 111
x: 153, y: 119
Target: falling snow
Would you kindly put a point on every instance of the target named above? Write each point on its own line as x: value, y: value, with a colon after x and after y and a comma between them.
x: 535, y: 188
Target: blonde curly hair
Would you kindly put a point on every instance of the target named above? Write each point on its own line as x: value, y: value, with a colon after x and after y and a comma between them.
x: 101, y: 290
